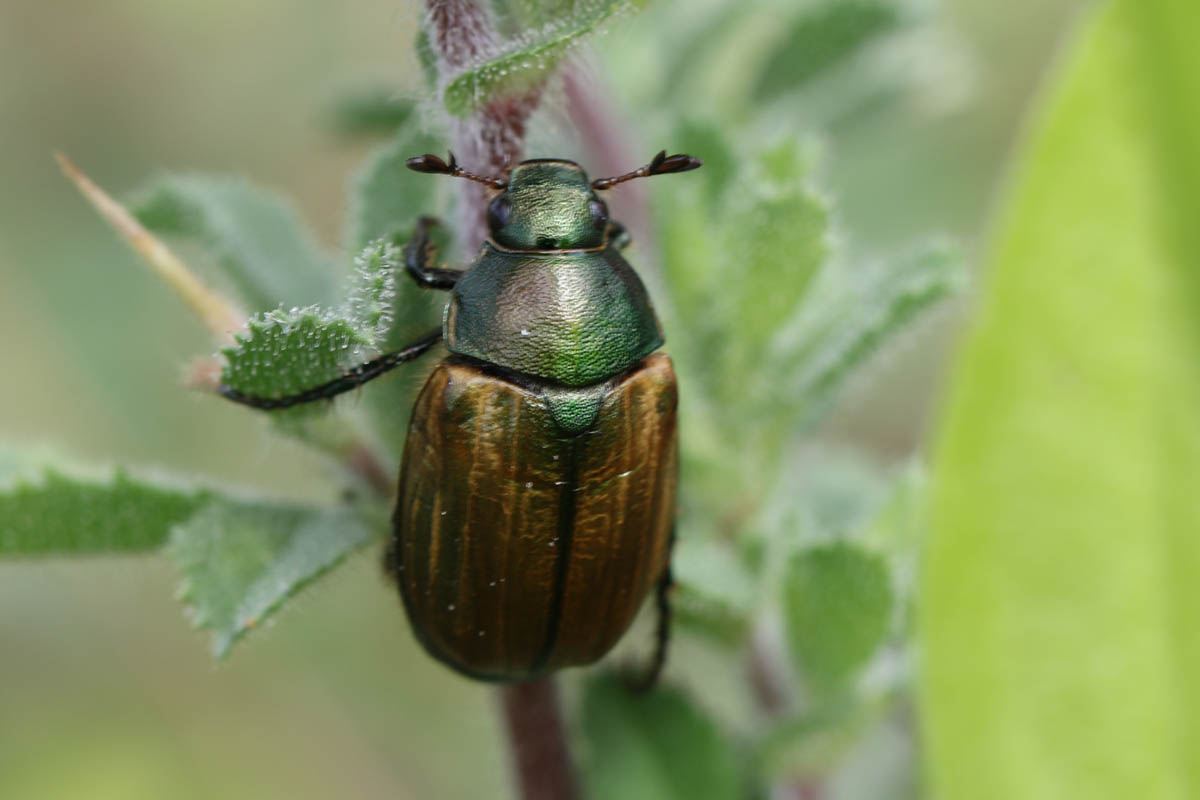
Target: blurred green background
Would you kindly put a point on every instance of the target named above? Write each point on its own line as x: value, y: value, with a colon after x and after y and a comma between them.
x: 104, y: 692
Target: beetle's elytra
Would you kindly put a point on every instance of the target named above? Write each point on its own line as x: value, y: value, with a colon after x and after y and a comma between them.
x: 536, y: 497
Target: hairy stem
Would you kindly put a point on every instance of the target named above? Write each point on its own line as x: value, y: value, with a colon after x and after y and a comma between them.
x: 493, y: 138
x: 538, y: 741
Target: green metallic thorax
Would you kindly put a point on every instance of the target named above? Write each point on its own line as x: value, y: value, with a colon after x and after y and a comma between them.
x: 571, y: 317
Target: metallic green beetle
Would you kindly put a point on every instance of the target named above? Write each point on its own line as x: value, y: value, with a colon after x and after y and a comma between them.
x: 535, y: 509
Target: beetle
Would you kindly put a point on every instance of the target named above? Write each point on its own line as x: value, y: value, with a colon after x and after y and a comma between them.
x: 535, y: 508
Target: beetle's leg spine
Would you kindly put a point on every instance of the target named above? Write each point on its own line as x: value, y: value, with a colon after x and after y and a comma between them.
x: 418, y: 256
x: 352, y: 379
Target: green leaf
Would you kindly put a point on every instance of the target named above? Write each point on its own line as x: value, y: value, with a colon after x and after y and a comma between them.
x: 778, y: 239
x: 848, y: 316
x: 387, y: 197
x: 371, y: 305
x: 655, y: 745
x: 707, y: 141
x: 47, y: 508
x: 528, y: 60
x: 819, y: 39
x: 377, y: 110
x: 241, y: 561
x: 814, y: 745
x: 829, y: 493
x: 256, y: 238
x: 287, y: 352
x: 714, y: 594
x: 1060, y: 600
x: 837, y: 610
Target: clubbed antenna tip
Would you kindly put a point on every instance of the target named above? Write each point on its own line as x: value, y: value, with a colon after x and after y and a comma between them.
x: 435, y: 165
x: 661, y: 164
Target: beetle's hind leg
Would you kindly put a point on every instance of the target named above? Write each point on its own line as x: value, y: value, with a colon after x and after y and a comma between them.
x: 419, y: 259
x: 662, y: 635
x: 351, y: 379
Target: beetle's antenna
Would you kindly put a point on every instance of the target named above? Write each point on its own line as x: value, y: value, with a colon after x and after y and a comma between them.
x: 431, y: 163
x: 661, y: 164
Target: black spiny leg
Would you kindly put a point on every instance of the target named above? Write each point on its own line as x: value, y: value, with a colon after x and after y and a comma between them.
x: 351, y: 379
x: 662, y: 602
x: 418, y: 259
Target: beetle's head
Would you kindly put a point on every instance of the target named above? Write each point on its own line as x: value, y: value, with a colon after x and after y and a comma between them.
x: 547, y: 205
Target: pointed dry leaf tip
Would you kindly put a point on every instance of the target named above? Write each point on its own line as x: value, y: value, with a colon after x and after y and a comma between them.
x: 218, y: 314
x: 661, y: 164
x: 203, y: 374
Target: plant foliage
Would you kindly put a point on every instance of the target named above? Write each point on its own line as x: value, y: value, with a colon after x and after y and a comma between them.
x: 1060, y: 593
x: 769, y: 316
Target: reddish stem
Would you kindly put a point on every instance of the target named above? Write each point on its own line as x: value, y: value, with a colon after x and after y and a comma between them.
x: 773, y: 698
x: 538, y: 741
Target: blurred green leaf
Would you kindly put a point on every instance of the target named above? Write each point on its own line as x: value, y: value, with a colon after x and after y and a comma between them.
x: 813, y: 745
x: 255, y: 237
x: 705, y: 140
x: 373, y: 111
x: 529, y: 59
x: 737, y: 268
x: 837, y: 610
x: 777, y: 236
x: 655, y: 745
x: 1060, y: 600
x: 387, y: 197
x: 714, y: 593
x: 287, y: 352
x: 50, y: 508
x: 848, y: 315
x: 241, y: 561
x: 828, y: 493
x: 820, y: 38
x: 688, y: 55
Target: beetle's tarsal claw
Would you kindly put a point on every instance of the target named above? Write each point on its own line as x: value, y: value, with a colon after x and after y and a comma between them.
x: 678, y: 163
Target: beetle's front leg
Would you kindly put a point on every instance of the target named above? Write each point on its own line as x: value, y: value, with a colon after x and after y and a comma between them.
x: 618, y: 236
x: 351, y: 379
x: 419, y: 259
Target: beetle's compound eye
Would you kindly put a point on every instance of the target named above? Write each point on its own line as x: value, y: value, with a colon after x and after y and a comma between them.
x: 499, y: 210
x: 599, y: 212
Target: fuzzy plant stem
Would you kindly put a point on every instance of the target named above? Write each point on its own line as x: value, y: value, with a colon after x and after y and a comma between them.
x: 539, y: 741
x: 492, y: 138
